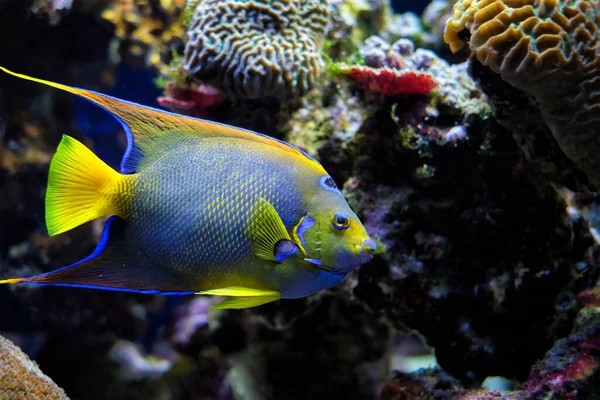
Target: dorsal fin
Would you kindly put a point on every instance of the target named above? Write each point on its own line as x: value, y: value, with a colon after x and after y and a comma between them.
x: 144, y: 125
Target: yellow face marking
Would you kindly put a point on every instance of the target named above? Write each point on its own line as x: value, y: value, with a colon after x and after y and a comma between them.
x: 358, y: 236
x: 297, y: 239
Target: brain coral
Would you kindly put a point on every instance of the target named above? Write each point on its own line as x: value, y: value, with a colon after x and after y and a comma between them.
x: 549, y: 49
x: 21, y: 379
x: 258, y: 48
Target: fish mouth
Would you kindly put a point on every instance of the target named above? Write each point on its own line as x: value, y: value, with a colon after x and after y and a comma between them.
x: 365, y: 250
x: 364, y: 253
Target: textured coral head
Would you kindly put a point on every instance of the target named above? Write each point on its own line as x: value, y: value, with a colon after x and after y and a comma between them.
x: 549, y: 49
x: 258, y: 48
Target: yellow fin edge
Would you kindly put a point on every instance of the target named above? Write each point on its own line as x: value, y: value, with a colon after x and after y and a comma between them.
x: 10, y: 281
x: 77, y: 187
x: 44, y: 82
x: 241, y: 297
x: 240, y: 291
x: 237, y: 303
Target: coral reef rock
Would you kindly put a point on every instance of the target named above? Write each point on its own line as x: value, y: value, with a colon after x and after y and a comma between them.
x: 551, y: 51
x: 400, y: 69
x: 21, y: 379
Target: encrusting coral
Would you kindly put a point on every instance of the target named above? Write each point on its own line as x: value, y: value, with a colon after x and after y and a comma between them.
x: 400, y: 69
x: 571, y: 368
x: 258, y: 48
x: 551, y: 51
x: 568, y: 371
x: 388, y: 81
x: 20, y: 378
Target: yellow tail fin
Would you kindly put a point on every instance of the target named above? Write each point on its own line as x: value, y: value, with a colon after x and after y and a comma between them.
x: 81, y: 187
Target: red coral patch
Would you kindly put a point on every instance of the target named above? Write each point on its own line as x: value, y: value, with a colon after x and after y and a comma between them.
x: 193, y: 101
x: 590, y: 297
x: 581, y: 368
x: 391, y: 82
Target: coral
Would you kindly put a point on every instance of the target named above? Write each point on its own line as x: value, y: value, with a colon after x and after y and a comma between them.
x: 521, y: 116
x: 335, y: 121
x: 325, y: 114
x: 367, y: 18
x: 148, y: 31
x: 192, y: 101
x: 21, y: 379
x: 54, y: 9
x: 434, y: 19
x: 407, y: 25
x: 585, y: 205
x: 420, y: 385
x: 388, y: 81
x: 571, y: 368
x: 133, y: 365
x: 398, y: 68
x: 189, y: 318
x: 28, y: 153
x: 444, y: 229
x: 258, y: 48
x: 354, y: 20
x: 548, y: 49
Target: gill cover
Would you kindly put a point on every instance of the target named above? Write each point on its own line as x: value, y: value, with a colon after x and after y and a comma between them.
x: 333, y: 238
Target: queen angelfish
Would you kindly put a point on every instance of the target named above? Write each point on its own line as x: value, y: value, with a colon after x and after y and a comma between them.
x: 200, y: 207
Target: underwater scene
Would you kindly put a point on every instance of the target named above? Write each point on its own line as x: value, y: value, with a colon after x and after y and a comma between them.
x: 299, y: 199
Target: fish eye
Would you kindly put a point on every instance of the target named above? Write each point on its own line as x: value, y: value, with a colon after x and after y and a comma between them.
x: 341, y: 220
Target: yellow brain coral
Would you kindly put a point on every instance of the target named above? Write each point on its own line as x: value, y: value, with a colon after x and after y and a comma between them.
x: 21, y: 379
x: 549, y: 49
x: 258, y: 48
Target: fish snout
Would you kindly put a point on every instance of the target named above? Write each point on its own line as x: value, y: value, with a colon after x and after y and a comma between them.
x: 366, y: 250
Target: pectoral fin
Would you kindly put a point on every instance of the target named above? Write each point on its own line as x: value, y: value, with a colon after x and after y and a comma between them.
x: 270, y: 239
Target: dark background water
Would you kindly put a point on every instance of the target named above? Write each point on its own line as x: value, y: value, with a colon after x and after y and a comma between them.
x: 416, y: 6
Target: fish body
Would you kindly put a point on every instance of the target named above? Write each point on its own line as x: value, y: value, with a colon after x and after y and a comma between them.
x: 204, y: 192
x: 201, y: 207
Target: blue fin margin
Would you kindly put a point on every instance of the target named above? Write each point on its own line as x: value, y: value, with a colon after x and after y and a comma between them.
x: 37, y: 280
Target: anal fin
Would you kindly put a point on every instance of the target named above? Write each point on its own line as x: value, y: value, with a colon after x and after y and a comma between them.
x: 115, y: 264
x: 242, y: 297
x: 237, y: 303
x: 240, y: 291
